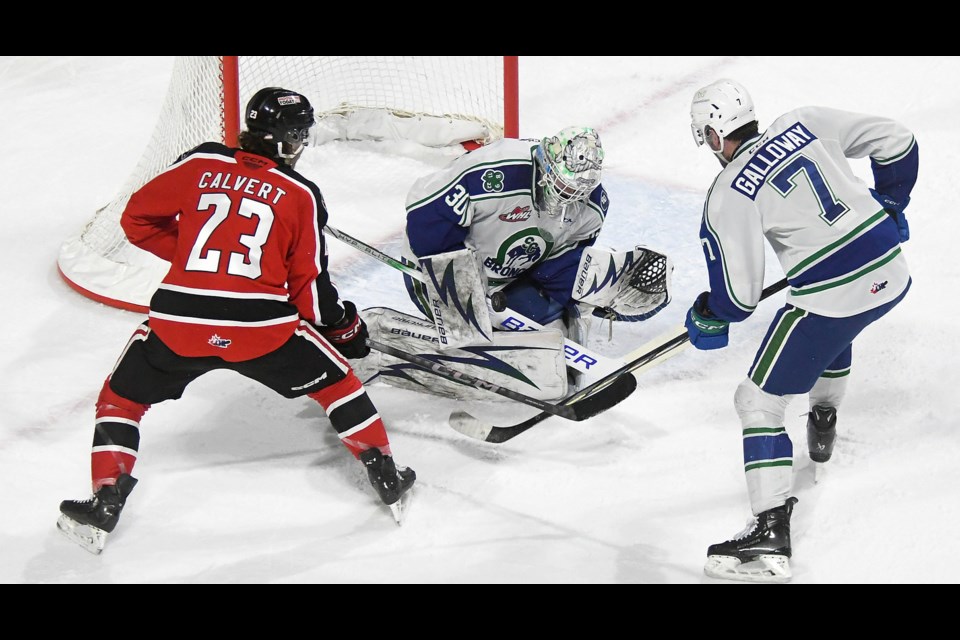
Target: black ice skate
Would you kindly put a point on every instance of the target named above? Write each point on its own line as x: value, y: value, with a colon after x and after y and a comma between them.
x: 87, y: 522
x: 821, y: 432
x: 390, y: 481
x: 761, y: 553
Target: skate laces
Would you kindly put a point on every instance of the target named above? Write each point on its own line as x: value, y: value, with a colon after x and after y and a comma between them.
x: 748, y: 530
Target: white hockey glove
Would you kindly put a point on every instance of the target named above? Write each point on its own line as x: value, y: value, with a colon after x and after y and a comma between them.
x: 628, y: 286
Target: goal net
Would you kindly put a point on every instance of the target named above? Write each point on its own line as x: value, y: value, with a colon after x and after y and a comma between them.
x: 434, y: 101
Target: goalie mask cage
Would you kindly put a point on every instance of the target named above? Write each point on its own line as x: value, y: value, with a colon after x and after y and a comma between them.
x: 433, y: 100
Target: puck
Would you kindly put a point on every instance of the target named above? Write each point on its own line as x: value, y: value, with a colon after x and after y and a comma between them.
x: 498, y: 301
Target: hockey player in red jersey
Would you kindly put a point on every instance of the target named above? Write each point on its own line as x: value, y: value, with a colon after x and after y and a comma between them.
x: 247, y: 290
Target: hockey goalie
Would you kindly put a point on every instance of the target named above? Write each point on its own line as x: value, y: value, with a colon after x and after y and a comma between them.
x: 512, y: 225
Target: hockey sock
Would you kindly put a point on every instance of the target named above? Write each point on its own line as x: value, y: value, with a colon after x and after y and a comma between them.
x: 116, y: 437
x: 353, y: 415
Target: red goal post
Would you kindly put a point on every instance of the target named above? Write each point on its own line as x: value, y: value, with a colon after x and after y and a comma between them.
x: 436, y: 101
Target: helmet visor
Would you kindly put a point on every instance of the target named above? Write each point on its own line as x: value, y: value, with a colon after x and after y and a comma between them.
x: 698, y: 136
x: 701, y: 135
x: 299, y: 136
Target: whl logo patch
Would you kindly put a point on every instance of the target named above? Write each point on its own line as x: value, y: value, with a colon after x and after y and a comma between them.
x: 217, y: 341
x: 519, y: 214
x: 879, y: 286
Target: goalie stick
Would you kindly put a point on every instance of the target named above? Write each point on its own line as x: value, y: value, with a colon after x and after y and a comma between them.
x: 578, y: 357
x: 474, y: 428
x: 615, y: 391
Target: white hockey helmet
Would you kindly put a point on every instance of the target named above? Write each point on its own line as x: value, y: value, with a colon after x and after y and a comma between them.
x: 570, y: 166
x: 724, y: 106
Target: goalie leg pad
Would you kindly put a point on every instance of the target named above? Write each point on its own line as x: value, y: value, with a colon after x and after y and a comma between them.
x: 528, y: 362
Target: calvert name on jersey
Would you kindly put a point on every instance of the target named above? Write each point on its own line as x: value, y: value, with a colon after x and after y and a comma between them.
x: 247, y: 256
x: 793, y: 186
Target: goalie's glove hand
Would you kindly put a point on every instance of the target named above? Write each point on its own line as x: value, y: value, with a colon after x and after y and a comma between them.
x: 705, y: 331
x: 894, y: 209
x: 609, y: 314
x: 350, y: 334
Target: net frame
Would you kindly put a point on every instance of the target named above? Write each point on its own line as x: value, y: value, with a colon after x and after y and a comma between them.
x: 432, y: 100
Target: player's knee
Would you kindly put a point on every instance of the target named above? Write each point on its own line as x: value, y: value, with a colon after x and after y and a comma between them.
x: 335, y: 392
x: 110, y: 400
x: 756, y: 407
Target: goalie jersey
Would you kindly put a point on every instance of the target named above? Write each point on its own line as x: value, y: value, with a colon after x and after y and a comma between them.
x: 792, y: 185
x: 485, y: 201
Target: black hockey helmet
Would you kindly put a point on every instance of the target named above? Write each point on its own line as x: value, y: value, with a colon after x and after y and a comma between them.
x: 280, y: 118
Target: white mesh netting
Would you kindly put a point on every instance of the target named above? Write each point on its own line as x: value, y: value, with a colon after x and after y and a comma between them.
x: 435, y: 101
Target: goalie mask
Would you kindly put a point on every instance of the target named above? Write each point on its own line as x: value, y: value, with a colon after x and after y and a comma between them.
x: 723, y: 106
x: 569, y: 166
x: 281, y: 120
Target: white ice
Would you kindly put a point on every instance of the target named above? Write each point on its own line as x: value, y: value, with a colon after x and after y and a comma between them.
x: 238, y: 485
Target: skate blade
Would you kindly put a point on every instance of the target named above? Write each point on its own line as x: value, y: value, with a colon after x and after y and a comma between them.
x: 400, y: 507
x: 398, y: 512
x: 819, y: 472
x: 765, y: 568
x: 90, y: 538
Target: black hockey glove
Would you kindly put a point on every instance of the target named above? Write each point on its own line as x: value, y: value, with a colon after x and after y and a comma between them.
x: 349, y: 335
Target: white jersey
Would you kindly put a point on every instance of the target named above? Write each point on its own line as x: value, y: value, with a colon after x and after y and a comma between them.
x: 792, y: 185
x: 485, y: 201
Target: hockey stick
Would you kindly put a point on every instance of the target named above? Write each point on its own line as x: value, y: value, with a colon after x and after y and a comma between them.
x: 614, y: 392
x: 474, y: 428
x: 413, y: 272
x: 577, y: 356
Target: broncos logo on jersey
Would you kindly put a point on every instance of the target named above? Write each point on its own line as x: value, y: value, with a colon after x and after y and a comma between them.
x: 518, y: 253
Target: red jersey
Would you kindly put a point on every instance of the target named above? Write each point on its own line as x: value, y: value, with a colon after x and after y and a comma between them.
x: 247, y: 255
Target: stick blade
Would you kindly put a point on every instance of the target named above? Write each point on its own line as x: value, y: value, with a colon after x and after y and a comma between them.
x: 594, y: 404
x: 474, y: 428
x: 606, y: 398
x: 469, y: 426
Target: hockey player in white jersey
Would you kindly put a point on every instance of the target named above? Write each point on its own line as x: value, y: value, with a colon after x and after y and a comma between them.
x: 519, y: 219
x: 839, y: 245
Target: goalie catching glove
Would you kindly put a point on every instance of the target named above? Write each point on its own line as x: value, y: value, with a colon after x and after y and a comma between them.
x: 349, y: 335
x: 627, y: 286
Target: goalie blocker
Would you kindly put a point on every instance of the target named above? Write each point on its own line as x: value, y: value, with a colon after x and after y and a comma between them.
x: 457, y: 299
x: 624, y: 285
x: 529, y: 362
